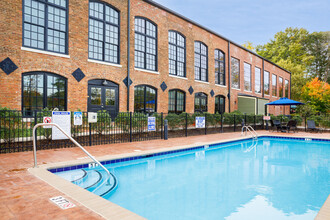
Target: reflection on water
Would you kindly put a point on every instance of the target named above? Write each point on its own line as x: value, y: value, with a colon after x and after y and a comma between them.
x: 275, y: 179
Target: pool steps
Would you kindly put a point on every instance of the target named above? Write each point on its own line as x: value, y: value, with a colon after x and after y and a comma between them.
x: 95, y: 181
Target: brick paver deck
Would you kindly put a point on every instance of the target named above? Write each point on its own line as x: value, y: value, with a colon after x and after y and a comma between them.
x: 24, y: 196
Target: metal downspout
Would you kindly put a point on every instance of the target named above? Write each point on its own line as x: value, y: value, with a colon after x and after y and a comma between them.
x: 128, y: 50
x: 229, y: 82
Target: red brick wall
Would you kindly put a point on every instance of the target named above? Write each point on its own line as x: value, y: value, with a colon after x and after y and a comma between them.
x: 11, y: 43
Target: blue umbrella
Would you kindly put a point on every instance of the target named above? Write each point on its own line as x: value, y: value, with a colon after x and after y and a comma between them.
x: 285, y: 101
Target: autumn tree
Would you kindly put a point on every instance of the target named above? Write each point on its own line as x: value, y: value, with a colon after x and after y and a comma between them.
x: 318, y: 94
x: 249, y: 45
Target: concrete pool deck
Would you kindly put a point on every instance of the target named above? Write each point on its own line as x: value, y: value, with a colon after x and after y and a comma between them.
x: 24, y: 196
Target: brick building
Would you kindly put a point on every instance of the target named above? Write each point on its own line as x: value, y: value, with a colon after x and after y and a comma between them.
x: 73, y: 54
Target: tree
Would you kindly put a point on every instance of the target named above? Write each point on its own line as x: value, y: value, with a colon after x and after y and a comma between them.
x: 249, y: 45
x: 288, y: 49
x: 319, y: 46
x: 318, y: 94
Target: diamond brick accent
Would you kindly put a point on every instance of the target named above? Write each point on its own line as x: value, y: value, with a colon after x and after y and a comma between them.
x: 191, y: 90
x: 212, y: 93
x: 126, y: 82
x: 163, y: 86
x: 8, y: 66
x: 78, y: 74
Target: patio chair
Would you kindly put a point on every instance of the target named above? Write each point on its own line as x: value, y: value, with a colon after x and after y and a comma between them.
x: 311, y: 126
x: 292, y: 125
x: 276, y: 124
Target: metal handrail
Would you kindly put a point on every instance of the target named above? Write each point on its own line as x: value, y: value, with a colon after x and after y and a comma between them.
x: 250, y: 129
x: 68, y: 136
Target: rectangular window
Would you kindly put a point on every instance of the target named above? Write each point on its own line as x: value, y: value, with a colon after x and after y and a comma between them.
x: 274, y: 85
x: 45, y: 25
x: 287, y: 88
x: 235, y: 73
x: 201, y: 62
x: 247, y: 77
x: 280, y: 82
x: 177, y: 54
x: 145, y: 44
x: 257, y: 72
x: 219, y: 61
x: 103, y: 36
x: 266, y: 82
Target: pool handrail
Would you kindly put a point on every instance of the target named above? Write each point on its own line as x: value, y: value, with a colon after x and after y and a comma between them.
x: 250, y: 129
x: 68, y: 136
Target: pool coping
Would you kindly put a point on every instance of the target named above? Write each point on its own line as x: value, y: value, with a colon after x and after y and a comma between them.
x: 109, y: 210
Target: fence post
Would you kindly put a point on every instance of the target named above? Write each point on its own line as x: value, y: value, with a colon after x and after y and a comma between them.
x: 305, y: 123
x: 245, y: 121
x: 254, y: 122
x: 205, y: 124
x: 186, y: 124
x: 221, y: 122
x: 234, y: 123
x: 161, y: 125
x: 165, y: 130
x: 130, y: 127
x: 90, y: 134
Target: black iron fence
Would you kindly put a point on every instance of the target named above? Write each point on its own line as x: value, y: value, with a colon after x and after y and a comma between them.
x: 16, y: 130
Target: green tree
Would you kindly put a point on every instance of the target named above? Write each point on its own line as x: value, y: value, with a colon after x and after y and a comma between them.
x: 288, y: 49
x: 319, y: 46
x: 249, y: 45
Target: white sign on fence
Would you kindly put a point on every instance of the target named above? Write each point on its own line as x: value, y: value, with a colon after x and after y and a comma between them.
x: 200, y: 122
x: 92, y: 117
x: 151, y: 124
x: 77, y: 118
x: 47, y: 120
x: 62, y: 119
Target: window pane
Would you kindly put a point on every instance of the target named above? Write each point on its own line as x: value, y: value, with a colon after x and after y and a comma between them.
x: 280, y: 82
x: 235, y: 75
x: 96, y: 96
x: 274, y: 85
x: 257, y: 80
x: 247, y: 77
x: 110, y: 97
x: 266, y: 82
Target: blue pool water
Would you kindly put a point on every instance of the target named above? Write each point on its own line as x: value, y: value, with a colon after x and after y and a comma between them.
x: 268, y: 179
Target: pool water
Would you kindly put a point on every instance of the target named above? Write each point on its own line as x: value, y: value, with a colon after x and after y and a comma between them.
x: 266, y: 179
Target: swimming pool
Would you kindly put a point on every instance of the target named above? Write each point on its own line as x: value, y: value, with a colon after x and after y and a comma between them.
x: 272, y: 178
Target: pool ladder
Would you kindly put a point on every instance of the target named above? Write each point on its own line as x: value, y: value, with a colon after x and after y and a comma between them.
x: 73, y: 140
x: 251, y: 130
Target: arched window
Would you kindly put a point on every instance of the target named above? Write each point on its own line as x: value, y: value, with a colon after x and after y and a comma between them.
x: 41, y: 90
x: 177, y: 53
x: 220, y: 76
x: 201, y: 61
x: 145, y: 44
x: 220, y: 102
x: 200, y: 102
x: 45, y: 25
x: 103, y: 36
x: 176, y: 101
x: 145, y: 99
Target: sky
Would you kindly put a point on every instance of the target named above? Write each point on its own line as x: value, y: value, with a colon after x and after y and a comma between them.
x: 256, y: 21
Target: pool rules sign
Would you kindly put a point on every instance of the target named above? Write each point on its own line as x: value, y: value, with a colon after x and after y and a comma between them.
x: 62, y: 119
